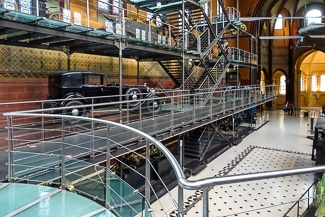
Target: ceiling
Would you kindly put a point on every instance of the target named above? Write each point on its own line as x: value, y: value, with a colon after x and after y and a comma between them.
x: 261, y: 11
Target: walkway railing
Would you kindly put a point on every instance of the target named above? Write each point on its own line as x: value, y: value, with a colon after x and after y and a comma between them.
x: 59, y: 159
x: 179, y: 109
x: 307, y: 199
x: 61, y: 155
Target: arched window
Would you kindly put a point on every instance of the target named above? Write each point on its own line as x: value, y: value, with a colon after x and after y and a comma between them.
x: 314, y: 16
x: 279, y: 22
x: 313, y: 83
x: 282, y: 85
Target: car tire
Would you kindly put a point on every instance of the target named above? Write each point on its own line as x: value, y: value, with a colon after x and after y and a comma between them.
x: 154, y: 104
x: 75, y: 111
x: 134, y: 96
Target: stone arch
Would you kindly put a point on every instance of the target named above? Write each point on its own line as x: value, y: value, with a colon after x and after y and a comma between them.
x: 308, y: 64
x: 281, y: 99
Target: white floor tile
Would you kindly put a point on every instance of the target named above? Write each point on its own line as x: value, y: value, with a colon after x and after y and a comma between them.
x: 280, y: 144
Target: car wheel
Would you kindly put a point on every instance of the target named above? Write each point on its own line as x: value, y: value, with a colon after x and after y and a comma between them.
x: 75, y: 111
x: 154, y: 104
x: 134, y: 96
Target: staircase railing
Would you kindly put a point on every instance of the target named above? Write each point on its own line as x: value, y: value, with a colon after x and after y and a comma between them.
x: 205, y: 140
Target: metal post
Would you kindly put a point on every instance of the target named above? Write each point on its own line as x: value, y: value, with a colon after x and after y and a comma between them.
x: 180, y: 212
x: 37, y: 8
x: 233, y: 126
x: 122, y: 19
x: 211, y: 105
x: 62, y: 155
x: 120, y: 78
x: 108, y: 147
x: 10, y: 149
x: 88, y: 14
x: 183, y: 41
x: 92, y: 144
x: 181, y: 153
x: 43, y: 125
x: 169, y: 35
x: 108, y: 165
x: 194, y: 108
x: 140, y: 117
x: 172, y: 114
x: 205, y: 199
x: 147, y: 180
x: 149, y: 30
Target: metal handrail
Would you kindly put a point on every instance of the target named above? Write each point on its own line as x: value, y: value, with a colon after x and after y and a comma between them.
x: 183, y: 183
x: 300, y: 199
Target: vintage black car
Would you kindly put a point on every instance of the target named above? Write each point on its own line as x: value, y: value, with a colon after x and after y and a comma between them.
x: 78, y: 85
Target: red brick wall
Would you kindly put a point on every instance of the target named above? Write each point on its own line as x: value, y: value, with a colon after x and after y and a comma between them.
x: 20, y: 90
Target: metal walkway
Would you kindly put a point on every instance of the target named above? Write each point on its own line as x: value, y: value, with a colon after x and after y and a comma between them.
x: 61, y: 152
x: 97, y: 181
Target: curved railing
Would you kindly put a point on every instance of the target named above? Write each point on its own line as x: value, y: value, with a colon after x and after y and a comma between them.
x: 70, y: 147
x: 80, y: 160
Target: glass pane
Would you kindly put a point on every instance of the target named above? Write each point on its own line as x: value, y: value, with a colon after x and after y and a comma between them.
x: 279, y: 22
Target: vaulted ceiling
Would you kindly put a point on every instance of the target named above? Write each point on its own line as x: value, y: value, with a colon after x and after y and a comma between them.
x: 262, y: 10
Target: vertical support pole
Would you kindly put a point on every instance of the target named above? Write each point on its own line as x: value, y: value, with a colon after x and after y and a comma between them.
x: 183, y: 41
x: 108, y: 147
x: 149, y: 30
x: 62, y: 155
x: 88, y: 13
x: 43, y: 125
x: 37, y: 8
x: 172, y: 114
x: 169, y: 35
x: 180, y: 212
x: 10, y: 149
x: 108, y: 165
x: 120, y: 55
x: 147, y: 180
x: 233, y: 126
x: 140, y: 117
x: 195, y: 104
x: 211, y: 104
x: 92, y: 142
x: 181, y: 153
x: 205, y: 198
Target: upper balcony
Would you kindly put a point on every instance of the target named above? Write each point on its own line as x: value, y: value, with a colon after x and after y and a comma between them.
x: 105, y: 28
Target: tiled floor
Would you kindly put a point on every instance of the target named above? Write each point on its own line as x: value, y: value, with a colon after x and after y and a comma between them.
x: 280, y: 144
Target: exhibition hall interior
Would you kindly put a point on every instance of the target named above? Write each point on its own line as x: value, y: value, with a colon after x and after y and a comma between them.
x: 162, y: 108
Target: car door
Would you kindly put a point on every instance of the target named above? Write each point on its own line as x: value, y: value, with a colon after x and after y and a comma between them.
x: 92, y: 86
